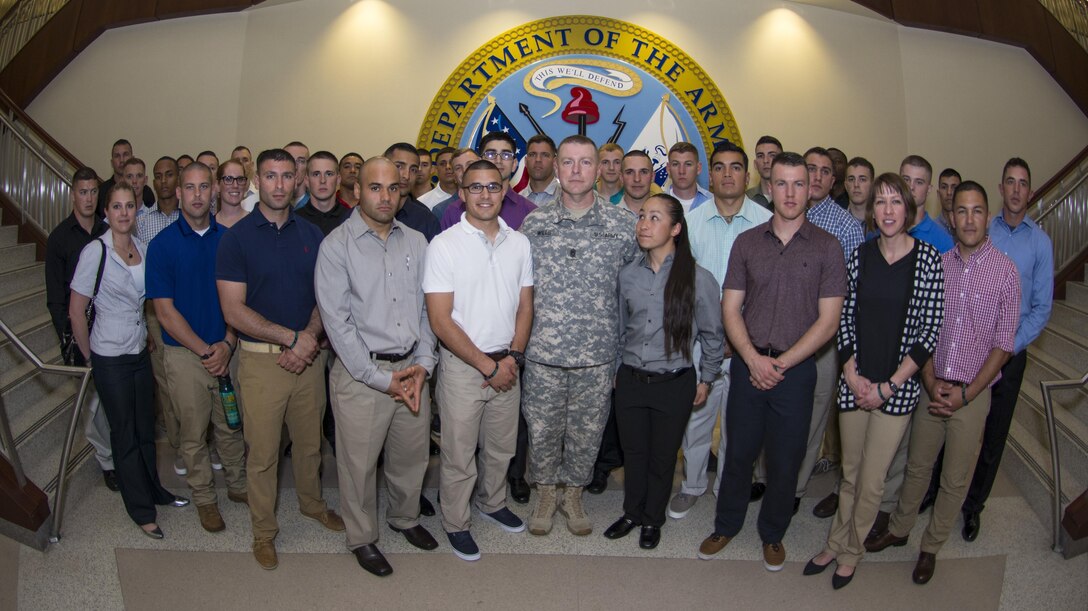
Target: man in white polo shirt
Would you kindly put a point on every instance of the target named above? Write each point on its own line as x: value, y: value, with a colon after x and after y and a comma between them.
x: 478, y: 282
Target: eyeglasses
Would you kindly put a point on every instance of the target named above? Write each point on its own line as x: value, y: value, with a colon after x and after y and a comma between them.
x: 233, y: 180
x: 493, y: 155
x: 492, y: 187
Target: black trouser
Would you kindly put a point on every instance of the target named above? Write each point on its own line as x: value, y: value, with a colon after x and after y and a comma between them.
x: 777, y: 422
x: 1002, y: 406
x: 521, y: 453
x: 126, y: 387
x: 651, y: 418
x: 610, y: 456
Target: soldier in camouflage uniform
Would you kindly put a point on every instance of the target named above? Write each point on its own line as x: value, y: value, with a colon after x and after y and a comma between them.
x: 579, y: 244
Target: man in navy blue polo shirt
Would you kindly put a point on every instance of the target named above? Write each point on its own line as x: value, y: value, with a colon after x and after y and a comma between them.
x: 265, y: 275
x: 197, y: 343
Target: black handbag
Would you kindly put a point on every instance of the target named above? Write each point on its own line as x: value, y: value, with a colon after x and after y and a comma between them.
x: 69, y: 347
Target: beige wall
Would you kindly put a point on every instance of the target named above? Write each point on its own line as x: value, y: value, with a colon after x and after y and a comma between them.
x: 359, y: 75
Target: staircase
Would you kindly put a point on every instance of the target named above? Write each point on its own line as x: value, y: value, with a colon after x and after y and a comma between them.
x: 38, y: 404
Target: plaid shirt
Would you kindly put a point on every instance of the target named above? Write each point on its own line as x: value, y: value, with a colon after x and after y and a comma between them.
x: 150, y: 223
x: 981, y: 310
x: 830, y: 217
x: 917, y: 339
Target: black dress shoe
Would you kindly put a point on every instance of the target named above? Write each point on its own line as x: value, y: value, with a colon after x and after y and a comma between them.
x: 417, y: 536
x: 620, y: 528
x: 971, y: 525
x: 923, y: 571
x: 519, y: 490
x: 827, y: 507
x: 757, y: 492
x: 649, y: 537
x: 425, y: 507
x: 598, y: 484
x: 712, y: 463
x: 880, y: 524
x: 815, y: 569
x: 287, y: 450
x: 435, y: 449
x: 372, y: 560
x: 927, y: 501
x: 839, y: 582
x: 110, y: 477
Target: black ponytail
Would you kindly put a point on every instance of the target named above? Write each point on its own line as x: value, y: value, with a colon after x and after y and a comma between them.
x: 680, y: 287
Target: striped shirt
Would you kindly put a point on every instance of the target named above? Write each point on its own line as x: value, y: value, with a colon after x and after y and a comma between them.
x: 830, y: 217
x: 981, y: 311
x: 149, y: 224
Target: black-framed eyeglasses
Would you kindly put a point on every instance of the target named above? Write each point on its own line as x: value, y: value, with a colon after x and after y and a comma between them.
x: 493, y: 155
x: 492, y: 187
x: 233, y: 180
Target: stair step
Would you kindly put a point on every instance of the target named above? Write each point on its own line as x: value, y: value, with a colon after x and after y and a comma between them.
x: 16, y: 256
x: 20, y: 307
x: 1064, y: 346
x: 1076, y: 293
x: 28, y: 422
x: 1028, y: 464
x: 1070, y: 319
x: 27, y: 392
x: 9, y: 235
x: 22, y: 278
x: 1042, y: 366
x: 1072, y: 432
x: 38, y: 335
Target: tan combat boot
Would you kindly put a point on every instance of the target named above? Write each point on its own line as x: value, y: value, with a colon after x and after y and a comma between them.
x: 577, y: 521
x: 540, y: 523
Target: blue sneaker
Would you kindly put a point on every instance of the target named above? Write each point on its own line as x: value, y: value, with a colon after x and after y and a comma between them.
x: 506, y: 520
x: 464, y: 546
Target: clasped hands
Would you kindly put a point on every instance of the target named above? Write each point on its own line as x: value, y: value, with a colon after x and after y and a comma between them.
x: 301, y: 355
x: 407, y: 386
x: 506, y: 375
x: 866, y: 393
x: 945, y: 398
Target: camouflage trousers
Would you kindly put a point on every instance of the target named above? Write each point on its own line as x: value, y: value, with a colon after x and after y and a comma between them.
x: 566, y: 410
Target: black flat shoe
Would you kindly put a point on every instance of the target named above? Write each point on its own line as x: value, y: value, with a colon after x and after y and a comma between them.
x: 372, y: 560
x: 620, y: 528
x: 649, y: 537
x: 154, y: 534
x: 757, y: 492
x: 109, y: 476
x: 519, y: 490
x: 839, y: 582
x: 971, y: 525
x: 815, y: 569
x: 598, y: 484
x: 179, y: 501
x: 425, y: 507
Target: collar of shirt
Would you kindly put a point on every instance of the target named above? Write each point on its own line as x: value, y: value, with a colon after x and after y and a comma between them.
x: 1026, y: 223
x: 982, y: 252
x: 96, y: 228
x: 187, y: 229
x: 593, y: 217
x: 819, y: 208
x: 745, y: 211
x: 333, y: 212
x: 470, y: 229
x: 550, y: 189
x: 699, y: 191
x: 262, y: 220
x: 804, y: 231
x: 358, y: 228
x: 666, y: 265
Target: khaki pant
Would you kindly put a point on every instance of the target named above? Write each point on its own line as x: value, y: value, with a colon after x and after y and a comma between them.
x: 195, y: 395
x: 164, y: 405
x: 367, y: 419
x: 961, y: 436
x: 827, y: 381
x: 275, y: 396
x: 869, y: 441
x: 473, y: 416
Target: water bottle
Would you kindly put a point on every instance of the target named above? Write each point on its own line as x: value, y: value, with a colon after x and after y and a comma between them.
x: 230, y: 402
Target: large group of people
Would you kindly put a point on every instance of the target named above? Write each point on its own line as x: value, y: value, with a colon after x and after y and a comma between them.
x: 592, y: 320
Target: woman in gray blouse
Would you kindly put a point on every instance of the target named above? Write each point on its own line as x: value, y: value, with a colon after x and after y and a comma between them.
x: 888, y: 330
x: 117, y: 349
x: 667, y: 303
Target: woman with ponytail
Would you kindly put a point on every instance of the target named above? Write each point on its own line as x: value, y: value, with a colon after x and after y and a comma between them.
x: 667, y: 303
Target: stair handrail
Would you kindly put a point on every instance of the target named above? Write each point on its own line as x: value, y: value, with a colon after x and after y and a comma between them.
x: 1061, y: 208
x: 84, y: 373
x: 1047, y: 386
x: 1073, y: 15
x: 21, y: 22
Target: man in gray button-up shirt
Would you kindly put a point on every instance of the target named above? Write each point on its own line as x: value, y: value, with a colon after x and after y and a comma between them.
x: 369, y: 290
x: 579, y: 244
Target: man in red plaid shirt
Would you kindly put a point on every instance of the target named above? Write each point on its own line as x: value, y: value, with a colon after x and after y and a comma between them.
x: 981, y: 311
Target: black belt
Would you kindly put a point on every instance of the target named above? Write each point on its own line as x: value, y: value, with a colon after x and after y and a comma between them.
x: 652, y: 377
x: 498, y: 355
x: 390, y: 357
x: 771, y: 352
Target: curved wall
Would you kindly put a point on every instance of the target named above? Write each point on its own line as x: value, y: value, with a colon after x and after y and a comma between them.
x: 345, y: 75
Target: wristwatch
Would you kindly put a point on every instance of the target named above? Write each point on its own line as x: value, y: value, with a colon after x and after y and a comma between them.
x: 519, y: 358
x: 709, y: 385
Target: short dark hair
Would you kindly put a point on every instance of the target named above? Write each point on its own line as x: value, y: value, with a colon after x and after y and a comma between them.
x: 727, y: 146
x: 120, y: 142
x: 970, y: 185
x: 272, y: 155
x: 919, y: 162
x: 862, y: 162
x: 404, y: 147
x: 818, y: 150
x: 446, y: 150
x: 638, y: 153
x: 241, y: 147
x: 769, y: 140
x: 135, y: 161
x: 1016, y: 162
x: 541, y: 138
x: 495, y: 137
x: 184, y: 156
x: 351, y: 154
x: 483, y: 164
x: 326, y: 155
x: 212, y: 153
x: 790, y: 159
x: 84, y: 173
x: 422, y: 151
x: 945, y: 173
x: 166, y: 158
x: 684, y: 147
x: 198, y: 167
x: 295, y: 143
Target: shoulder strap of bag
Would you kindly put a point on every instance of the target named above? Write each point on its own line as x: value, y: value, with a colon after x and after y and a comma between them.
x: 101, y: 267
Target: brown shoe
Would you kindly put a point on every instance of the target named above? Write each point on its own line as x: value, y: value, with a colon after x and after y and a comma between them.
x: 923, y: 571
x: 238, y: 497
x: 883, y: 541
x: 210, y: 518
x: 827, y: 507
x: 328, y: 518
x: 264, y: 550
x: 712, y: 545
x: 774, y: 556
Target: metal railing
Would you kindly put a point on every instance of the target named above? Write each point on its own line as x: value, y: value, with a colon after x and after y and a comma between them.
x: 1062, y: 211
x: 1055, y: 461
x: 1073, y: 15
x: 34, y: 174
x: 12, y: 452
x: 22, y: 22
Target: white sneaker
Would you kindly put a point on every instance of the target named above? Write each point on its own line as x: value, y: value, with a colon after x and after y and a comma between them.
x: 213, y: 456
x: 681, y: 504
x: 179, y: 466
